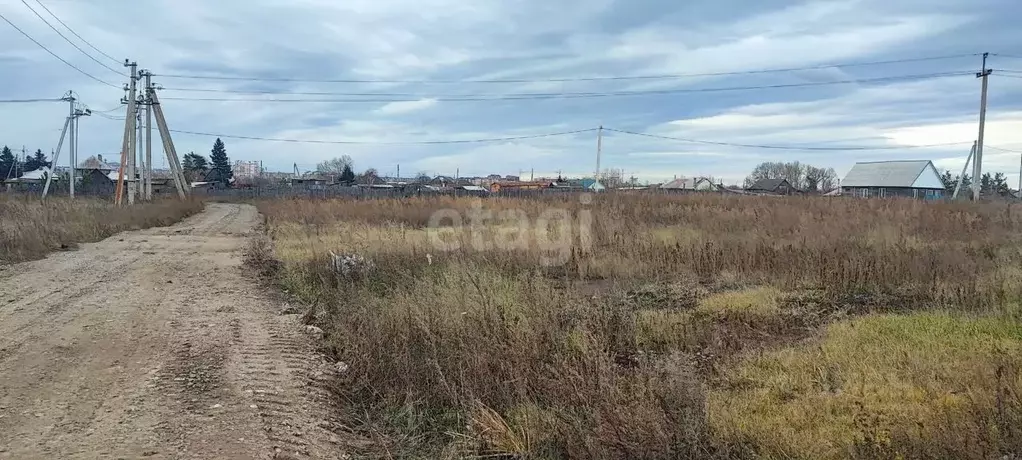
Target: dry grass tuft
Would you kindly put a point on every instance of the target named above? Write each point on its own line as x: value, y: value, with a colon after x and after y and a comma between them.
x: 31, y: 228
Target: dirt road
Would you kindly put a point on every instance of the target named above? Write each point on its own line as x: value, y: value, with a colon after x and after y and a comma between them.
x: 156, y: 344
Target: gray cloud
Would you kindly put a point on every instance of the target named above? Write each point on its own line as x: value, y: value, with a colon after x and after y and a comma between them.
x: 530, y: 39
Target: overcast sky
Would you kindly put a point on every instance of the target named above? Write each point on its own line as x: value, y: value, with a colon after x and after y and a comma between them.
x: 533, y: 42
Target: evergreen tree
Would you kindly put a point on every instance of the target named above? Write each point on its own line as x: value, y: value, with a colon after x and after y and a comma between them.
x: 8, y: 164
x: 220, y: 161
x: 36, y: 161
x: 195, y: 166
x: 949, y: 181
x: 347, y: 175
x: 1001, y: 184
x: 986, y: 184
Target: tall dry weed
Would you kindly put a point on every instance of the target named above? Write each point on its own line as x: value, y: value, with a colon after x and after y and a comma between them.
x: 472, y: 352
x: 30, y: 228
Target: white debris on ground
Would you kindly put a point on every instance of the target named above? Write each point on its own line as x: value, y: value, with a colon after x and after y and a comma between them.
x: 350, y: 265
x: 314, y: 331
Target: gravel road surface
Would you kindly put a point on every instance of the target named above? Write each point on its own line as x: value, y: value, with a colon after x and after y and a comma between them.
x: 157, y: 344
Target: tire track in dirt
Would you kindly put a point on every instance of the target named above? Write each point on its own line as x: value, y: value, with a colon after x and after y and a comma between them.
x: 275, y: 360
x: 156, y: 344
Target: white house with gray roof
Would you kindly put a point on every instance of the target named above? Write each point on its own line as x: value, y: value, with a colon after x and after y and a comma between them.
x: 883, y: 179
x: 690, y: 184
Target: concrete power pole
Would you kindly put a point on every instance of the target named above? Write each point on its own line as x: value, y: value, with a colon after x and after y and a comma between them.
x: 599, y: 151
x: 965, y: 167
x: 79, y: 113
x: 148, y: 183
x: 56, y: 154
x: 139, y: 163
x: 126, y: 173
x: 183, y: 187
x: 977, y: 165
x: 132, y: 113
x: 119, y: 193
x: 71, y: 146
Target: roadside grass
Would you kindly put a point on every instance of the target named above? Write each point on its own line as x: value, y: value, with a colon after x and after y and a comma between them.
x: 672, y: 327
x: 30, y: 228
x: 921, y: 385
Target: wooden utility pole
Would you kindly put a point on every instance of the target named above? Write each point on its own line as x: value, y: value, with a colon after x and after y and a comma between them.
x: 977, y: 166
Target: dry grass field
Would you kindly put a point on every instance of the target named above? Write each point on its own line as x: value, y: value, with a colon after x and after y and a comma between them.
x: 666, y: 327
x: 30, y: 228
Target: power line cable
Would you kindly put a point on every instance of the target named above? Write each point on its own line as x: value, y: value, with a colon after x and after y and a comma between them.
x: 97, y: 61
x: 1009, y: 75
x: 108, y: 117
x: 108, y: 111
x: 20, y: 101
x: 538, y: 95
x: 1002, y: 149
x: 1010, y: 56
x: 454, y: 141
x: 8, y: 21
x: 118, y: 61
x: 569, y: 79
x: 529, y: 96
x: 784, y: 147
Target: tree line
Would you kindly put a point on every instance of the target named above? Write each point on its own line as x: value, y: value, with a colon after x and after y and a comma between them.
x: 342, y: 169
x: 13, y: 167
x: 801, y: 176
x: 217, y: 168
x: 996, y: 184
x: 196, y: 167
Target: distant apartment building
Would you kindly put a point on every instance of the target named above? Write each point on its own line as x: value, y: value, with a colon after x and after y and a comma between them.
x: 246, y: 169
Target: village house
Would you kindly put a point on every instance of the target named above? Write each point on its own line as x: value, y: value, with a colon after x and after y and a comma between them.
x: 883, y: 179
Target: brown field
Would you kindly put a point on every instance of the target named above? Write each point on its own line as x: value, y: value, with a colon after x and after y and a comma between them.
x: 30, y: 228
x: 667, y: 327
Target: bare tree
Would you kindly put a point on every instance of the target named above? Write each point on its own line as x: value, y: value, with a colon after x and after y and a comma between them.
x: 819, y: 179
x: 335, y: 165
x: 795, y: 174
x: 800, y: 176
x: 370, y: 176
x: 612, y: 178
